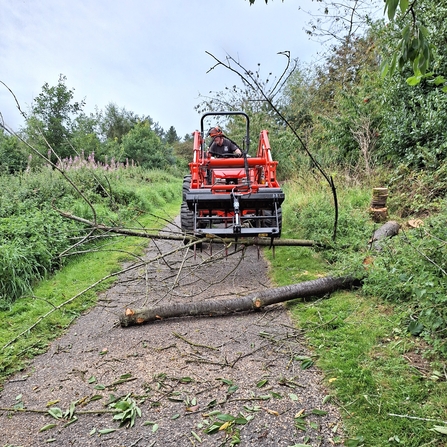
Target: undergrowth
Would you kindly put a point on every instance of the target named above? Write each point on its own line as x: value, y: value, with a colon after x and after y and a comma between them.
x: 18, y: 344
x: 34, y: 242
x: 382, y: 348
x: 33, y: 233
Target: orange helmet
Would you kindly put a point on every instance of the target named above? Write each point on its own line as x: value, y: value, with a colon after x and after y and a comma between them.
x: 215, y: 132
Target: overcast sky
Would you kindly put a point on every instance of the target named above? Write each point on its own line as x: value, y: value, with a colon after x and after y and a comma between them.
x: 145, y: 55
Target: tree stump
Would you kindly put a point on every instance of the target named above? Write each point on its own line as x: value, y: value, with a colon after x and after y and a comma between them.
x: 378, y: 210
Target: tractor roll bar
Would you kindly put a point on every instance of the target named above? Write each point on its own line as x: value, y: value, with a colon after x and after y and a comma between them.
x: 247, y: 125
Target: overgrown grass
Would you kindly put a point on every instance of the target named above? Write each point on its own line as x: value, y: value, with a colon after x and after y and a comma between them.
x: 390, y: 385
x: 33, y: 233
x: 77, y: 275
x: 32, y: 287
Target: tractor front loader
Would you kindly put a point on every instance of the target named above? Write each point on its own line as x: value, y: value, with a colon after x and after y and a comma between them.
x: 232, y: 197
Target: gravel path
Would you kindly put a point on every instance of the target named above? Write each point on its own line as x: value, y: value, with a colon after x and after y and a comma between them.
x: 185, y: 374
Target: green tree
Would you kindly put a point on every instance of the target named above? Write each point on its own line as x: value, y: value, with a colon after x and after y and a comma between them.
x: 171, y: 136
x: 142, y: 145
x: 85, y: 136
x: 188, y: 137
x: 415, y: 43
x: 53, y: 113
x: 414, y: 129
x: 13, y: 158
x: 115, y: 122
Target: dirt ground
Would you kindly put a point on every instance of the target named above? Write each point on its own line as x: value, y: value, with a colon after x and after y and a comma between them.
x: 241, y: 372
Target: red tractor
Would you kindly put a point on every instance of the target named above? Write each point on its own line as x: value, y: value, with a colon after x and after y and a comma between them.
x: 232, y: 197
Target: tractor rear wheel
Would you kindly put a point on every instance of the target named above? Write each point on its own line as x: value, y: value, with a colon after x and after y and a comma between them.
x: 270, y: 220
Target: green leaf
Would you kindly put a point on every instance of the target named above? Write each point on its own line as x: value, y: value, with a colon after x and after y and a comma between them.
x: 439, y: 80
x: 47, y: 427
x: 391, y: 6
x: 232, y: 389
x: 354, y: 442
x: 307, y: 363
x: 226, y: 381
x: 319, y: 412
x: 70, y: 412
x: 293, y: 397
x: 262, y: 383
x: 225, y: 417
x: 196, y: 436
x: 440, y: 429
x: 403, y: 6
x: 415, y: 328
x: 241, y: 420
x: 145, y: 423
x: 414, y: 80
x: 213, y: 428
x: 384, y: 69
x: 55, y: 412
x: 106, y: 431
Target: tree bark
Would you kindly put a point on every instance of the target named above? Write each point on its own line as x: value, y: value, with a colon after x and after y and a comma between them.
x: 253, y: 301
x: 387, y: 230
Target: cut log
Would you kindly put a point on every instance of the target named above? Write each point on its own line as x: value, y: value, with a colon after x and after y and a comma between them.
x: 387, y: 230
x: 378, y: 210
x: 253, y: 301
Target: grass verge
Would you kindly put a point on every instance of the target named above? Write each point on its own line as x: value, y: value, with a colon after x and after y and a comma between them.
x: 78, y: 275
x: 390, y: 391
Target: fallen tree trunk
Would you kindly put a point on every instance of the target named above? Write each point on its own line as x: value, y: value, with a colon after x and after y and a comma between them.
x: 253, y: 241
x: 253, y: 301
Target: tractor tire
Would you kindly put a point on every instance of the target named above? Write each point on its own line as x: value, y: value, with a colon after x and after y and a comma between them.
x: 186, y: 219
x: 187, y: 223
x: 186, y: 186
x: 270, y: 221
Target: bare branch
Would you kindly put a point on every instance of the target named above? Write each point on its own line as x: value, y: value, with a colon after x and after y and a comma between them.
x: 247, y: 77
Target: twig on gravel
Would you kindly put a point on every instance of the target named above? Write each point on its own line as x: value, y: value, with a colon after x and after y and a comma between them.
x: 82, y: 292
x: 163, y: 348
x: 207, y: 361
x: 136, y: 442
x: 197, y: 345
x: 37, y: 410
x: 248, y: 354
x: 185, y: 257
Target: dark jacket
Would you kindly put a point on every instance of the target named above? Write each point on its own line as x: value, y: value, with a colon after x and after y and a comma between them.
x: 227, y: 149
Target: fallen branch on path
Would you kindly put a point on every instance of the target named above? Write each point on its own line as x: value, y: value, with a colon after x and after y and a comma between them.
x: 256, y: 241
x: 253, y: 301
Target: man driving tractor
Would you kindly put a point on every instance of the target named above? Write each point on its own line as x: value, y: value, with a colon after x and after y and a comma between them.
x: 222, y: 146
